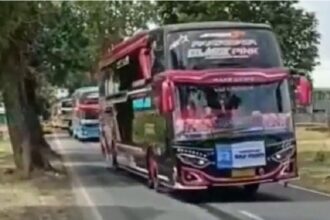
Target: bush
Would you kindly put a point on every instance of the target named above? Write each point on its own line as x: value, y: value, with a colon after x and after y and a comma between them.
x: 320, y: 157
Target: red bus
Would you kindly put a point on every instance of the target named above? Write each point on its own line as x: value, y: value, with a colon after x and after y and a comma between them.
x: 85, y: 117
x: 200, y: 105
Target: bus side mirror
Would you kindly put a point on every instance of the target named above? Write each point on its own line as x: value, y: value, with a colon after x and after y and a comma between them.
x: 303, y: 91
x: 166, y: 98
x: 145, y: 62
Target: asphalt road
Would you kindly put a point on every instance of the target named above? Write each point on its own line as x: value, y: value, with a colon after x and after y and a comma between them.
x: 108, y: 195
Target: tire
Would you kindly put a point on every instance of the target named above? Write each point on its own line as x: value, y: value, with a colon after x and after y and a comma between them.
x: 251, y: 190
x: 70, y: 129
x: 74, y: 135
x: 153, y: 181
x: 111, y: 159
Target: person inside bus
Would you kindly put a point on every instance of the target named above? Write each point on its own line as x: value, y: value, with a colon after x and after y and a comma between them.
x: 195, y: 103
x: 223, y: 106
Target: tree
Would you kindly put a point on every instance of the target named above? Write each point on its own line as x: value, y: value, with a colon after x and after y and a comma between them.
x: 19, y: 24
x: 70, y: 41
x: 295, y: 28
x: 111, y: 21
x: 43, y: 43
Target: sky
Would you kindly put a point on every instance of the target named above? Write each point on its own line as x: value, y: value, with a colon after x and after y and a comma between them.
x: 321, y: 74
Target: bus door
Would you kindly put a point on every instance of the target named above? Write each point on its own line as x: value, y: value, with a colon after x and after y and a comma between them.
x: 117, y: 113
x: 147, y: 127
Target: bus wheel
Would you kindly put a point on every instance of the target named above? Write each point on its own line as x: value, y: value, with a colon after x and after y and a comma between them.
x: 69, y: 129
x: 103, y: 151
x: 251, y: 190
x: 113, y: 164
x: 111, y: 159
x: 153, y: 181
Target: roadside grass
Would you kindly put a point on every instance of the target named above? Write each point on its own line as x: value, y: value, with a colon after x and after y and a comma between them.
x: 312, y: 133
x: 314, y: 159
x: 41, y: 197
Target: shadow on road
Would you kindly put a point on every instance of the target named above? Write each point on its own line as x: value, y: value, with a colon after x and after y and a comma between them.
x: 80, y: 212
x: 64, y: 137
x: 226, y: 195
x: 89, y: 165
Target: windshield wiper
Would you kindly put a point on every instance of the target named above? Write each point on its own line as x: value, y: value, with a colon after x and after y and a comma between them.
x: 237, y: 130
x: 231, y: 64
x: 205, y: 65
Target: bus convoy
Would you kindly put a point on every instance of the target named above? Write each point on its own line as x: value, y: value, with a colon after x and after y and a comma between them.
x: 79, y: 114
x: 199, y: 105
x: 195, y: 106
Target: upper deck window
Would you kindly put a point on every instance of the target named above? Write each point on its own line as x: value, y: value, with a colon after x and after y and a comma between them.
x: 220, y: 48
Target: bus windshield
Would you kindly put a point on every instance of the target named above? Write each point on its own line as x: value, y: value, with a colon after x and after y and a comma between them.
x: 204, y: 49
x: 233, y: 108
x: 90, y: 98
x: 90, y: 115
x: 67, y: 104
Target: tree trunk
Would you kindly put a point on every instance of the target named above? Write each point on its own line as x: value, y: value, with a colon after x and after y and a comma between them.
x: 25, y: 132
x: 36, y: 133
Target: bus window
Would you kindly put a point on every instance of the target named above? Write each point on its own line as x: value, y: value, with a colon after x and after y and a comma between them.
x: 142, y: 103
x: 148, y: 126
x: 111, y: 82
x: 102, y: 86
x: 125, y: 73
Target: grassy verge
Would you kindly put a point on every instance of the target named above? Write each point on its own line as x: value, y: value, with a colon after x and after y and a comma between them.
x: 42, y: 197
x: 314, y: 159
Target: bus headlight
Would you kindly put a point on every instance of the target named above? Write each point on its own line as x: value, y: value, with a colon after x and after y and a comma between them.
x: 83, y: 130
x: 195, y: 161
x: 283, y: 154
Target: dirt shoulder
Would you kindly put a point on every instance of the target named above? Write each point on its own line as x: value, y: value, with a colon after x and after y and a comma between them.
x: 42, y: 197
x: 314, y: 159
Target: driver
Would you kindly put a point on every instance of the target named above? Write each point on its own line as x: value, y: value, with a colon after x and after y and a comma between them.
x: 196, y: 102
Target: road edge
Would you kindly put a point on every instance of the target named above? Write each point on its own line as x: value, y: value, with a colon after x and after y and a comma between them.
x: 81, y: 195
x: 293, y: 186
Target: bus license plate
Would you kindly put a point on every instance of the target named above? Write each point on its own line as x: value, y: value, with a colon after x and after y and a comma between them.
x: 243, y: 173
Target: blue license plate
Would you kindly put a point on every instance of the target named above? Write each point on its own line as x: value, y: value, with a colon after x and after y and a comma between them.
x: 224, y: 156
x: 241, y: 155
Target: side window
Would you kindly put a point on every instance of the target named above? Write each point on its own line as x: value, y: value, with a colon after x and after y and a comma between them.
x: 126, y: 71
x: 148, y: 126
x: 102, y: 85
x: 114, y: 82
x: 111, y: 81
x: 142, y: 104
x: 157, y: 53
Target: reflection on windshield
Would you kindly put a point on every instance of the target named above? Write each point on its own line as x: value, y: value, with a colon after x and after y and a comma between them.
x: 90, y: 98
x: 90, y: 115
x: 206, y: 109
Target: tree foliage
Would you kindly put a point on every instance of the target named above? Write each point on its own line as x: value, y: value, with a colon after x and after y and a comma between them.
x: 295, y: 28
x: 20, y: 21
x: 53, y: 43
x: 70, y: 41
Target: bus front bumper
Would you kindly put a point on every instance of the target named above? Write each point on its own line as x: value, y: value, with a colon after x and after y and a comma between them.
x: 88, y: 133
x: 195, y: 179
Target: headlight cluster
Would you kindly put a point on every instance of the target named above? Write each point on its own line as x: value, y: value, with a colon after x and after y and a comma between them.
x: 284, y: 154
x: 193, y: 160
